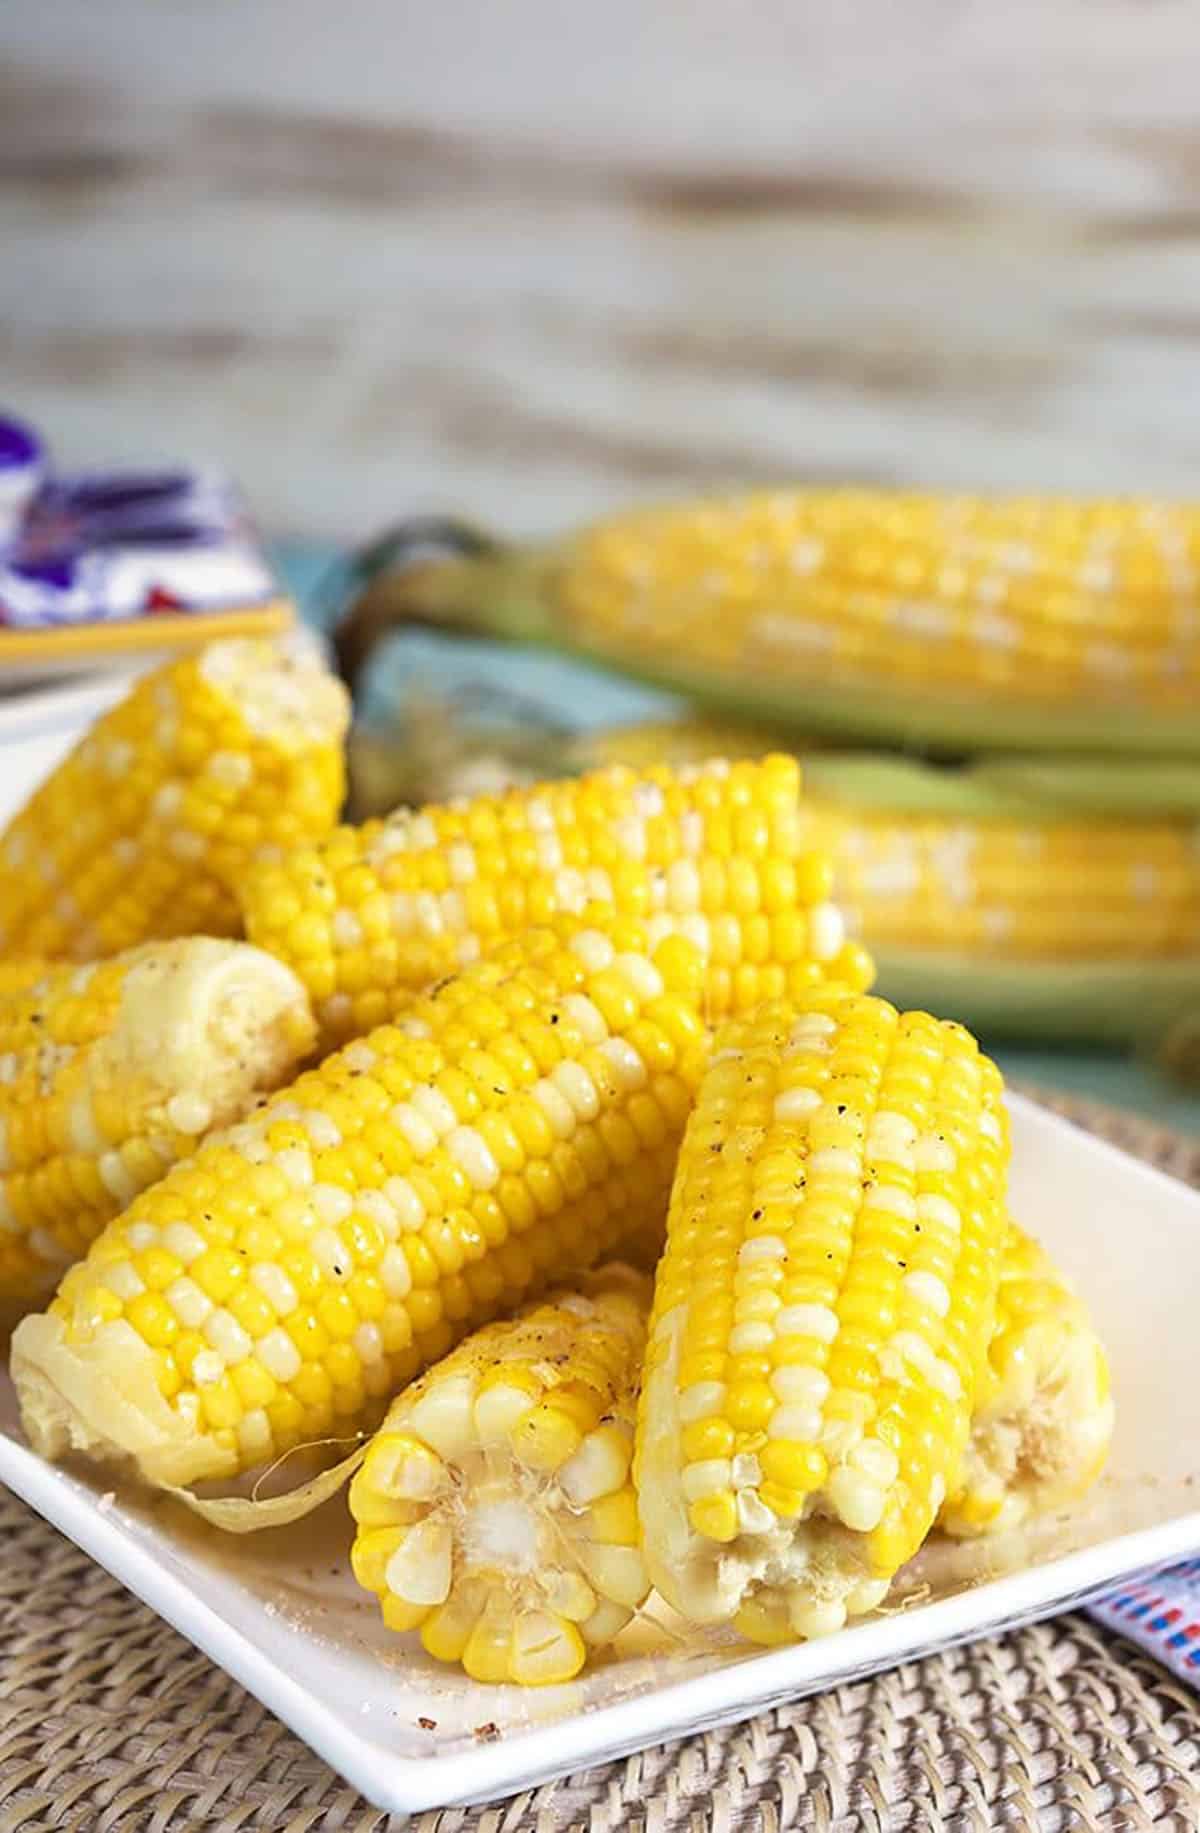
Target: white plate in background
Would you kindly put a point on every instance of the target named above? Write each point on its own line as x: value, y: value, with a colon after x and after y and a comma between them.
x: 280, y: 1613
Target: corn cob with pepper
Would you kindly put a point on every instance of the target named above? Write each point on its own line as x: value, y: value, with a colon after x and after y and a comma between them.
x: 716, y: 851
x: 920, y: 619
x: 111, y: 1073
x: 145, y: 828
x: 1044, y: 1414
x: 279, y: 1286
x: 494, y: 1508
x: 821, y: 1312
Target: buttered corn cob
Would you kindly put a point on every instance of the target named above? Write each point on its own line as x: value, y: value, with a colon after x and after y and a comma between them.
x: 278, y: 1287
x: 1044, y: 1413
x: 821, y: 1312
x: 111, y: 1073
x: 144, y: 830
x: 715, y: 852
x: 925, y: 619
x: 494, y: 1509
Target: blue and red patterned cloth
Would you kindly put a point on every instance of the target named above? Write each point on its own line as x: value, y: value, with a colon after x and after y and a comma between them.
x: 1161, y: 1613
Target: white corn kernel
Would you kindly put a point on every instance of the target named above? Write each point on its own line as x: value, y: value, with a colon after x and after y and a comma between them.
x: 332, y: 1203
x: 189, y: 1113
x: 407, y: 1204
x: 706, y: 1477
x: 599, y: 1467
x: 275, y: 1287
x: 421, y: 1569
x: 855, y: 1499
x: 629, y: 1071
x: 279, y: 1355
x: 415, y: 1128
x: 762, y: 1247
x: 444, y: 1417
x: 296, y: 1166
x: 123, y: 1278
x: 555, y: 1107
x: 433, y: 1106
x: 808, y: 1386
x: 796, y: 1103
x: 473, y: 1156
x: 875, y: 1461
x: 939, y: 1212
x: 395, y: 1272
x: 797, y: 1423
x: 576, y: 1086
x: 368, y: 1342
x: 807, y: 1321
x: 745, y: 1339
x: 207, y: 1368
x: 190, y: 1305
x: 933, y: 1154
x: 226, y: 1336
x: 927, y: 1289
x: 588, y: 1017
x: 703, y: 1400
x: 594, y: 949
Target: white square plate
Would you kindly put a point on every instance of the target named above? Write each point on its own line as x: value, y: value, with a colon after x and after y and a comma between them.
x: 281, y: 1614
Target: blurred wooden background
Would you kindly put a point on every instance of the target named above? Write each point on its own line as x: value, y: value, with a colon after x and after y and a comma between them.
x: 531, y: 259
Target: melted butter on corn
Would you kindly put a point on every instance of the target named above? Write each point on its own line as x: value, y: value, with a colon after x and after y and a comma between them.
x: 495, y: 1510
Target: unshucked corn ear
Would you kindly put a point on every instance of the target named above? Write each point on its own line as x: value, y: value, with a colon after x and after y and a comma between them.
x: 960, y: 621
x: 714, y: 851
x: 144, y: 830
x: 274, y: 1290
x: 495, y: 1509
x: 109, y: 1074
x: 1044, y: 1414
x: 821, y: 1311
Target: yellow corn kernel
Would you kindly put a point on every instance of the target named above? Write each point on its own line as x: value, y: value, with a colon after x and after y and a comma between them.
x: 146, y: 828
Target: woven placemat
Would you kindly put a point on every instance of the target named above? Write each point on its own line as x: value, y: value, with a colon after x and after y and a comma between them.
x: 109, y: 1720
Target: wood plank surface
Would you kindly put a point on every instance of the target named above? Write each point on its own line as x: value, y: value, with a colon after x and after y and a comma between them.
x: 532, y: 260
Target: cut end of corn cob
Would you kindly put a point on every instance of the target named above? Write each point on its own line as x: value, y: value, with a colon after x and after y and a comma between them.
x: 111, y: 1073
x: 275, y: 1289
x: 495, y: 1510
x: 145, y: 829
x: 1043, y: 1420
x: 821, y: 1311
x: 714, y: 852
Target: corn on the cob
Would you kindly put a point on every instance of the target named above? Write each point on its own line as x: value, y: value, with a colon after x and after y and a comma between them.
x: 1044, y: 1413
x: 111, y: 1073
x: 1029, y: 886
x: 494, y: 1508
x: 954, y: 620
x: 373, y: 912
x: 144, y: 830
x: 821, y: 1312
x: 279, y: 1286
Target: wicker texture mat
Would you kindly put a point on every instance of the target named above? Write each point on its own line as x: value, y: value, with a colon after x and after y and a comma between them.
x: 110, y: 1721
